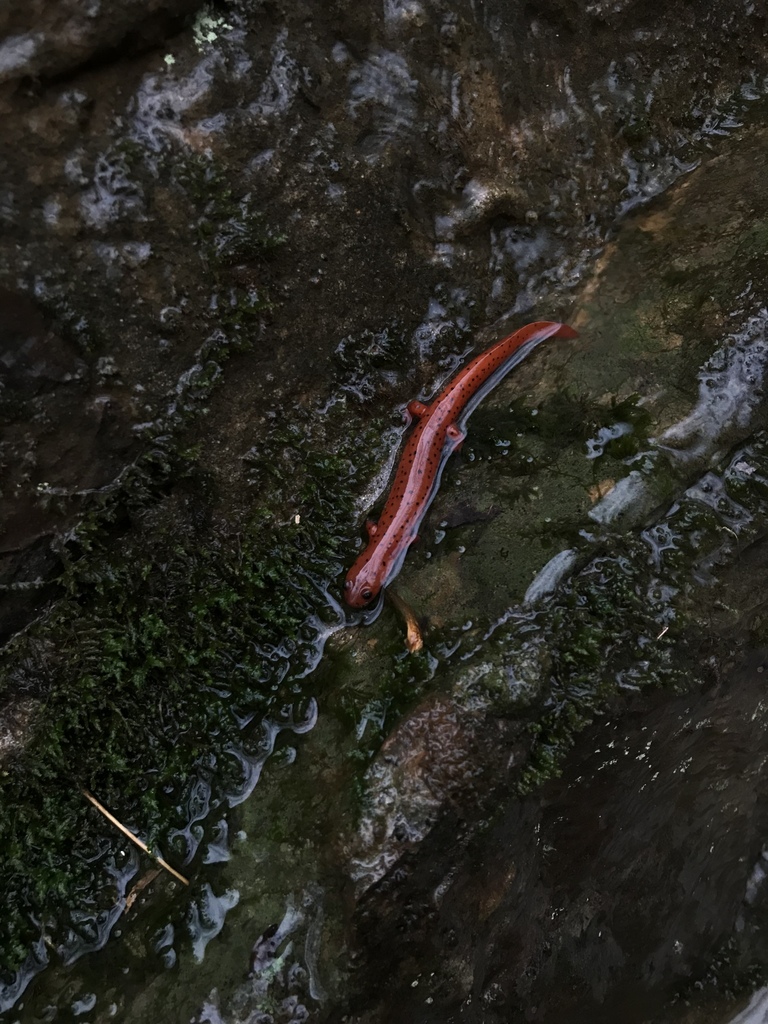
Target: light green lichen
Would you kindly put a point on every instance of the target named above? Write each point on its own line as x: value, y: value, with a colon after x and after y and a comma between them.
x: 207, y: 27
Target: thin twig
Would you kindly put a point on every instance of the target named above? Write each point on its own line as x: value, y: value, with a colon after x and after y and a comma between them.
x: 132, y: 837
x: 142, y: 883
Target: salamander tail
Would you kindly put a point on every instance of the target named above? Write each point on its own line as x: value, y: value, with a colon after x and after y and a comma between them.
x: 564, y: 331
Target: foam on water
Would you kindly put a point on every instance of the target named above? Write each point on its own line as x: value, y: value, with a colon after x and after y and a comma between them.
x: 84, y: 1005
x: 279, y: 88
x: 402, y: 13
x: 113, y: 193
x: 383, y: 87
x: 757, y: 1010
x: 730, y: 387
x: 596, y: 445
x: 252, y: 763
x: 650, y: 177
x: 630, y: 491
x: 476, y: 199
x: 206, y: 916
x: 198, y: 805
x: 91, y: 928
x: 524, y: 250
x: 217, y: 851
x: 36, y: 961
x: 549, y: 578
x: 284, y: 970
x: 16, y: 51
x: 439, y: 322
x: 161, y: 100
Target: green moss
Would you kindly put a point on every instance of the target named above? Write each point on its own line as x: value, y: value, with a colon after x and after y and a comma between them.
x: 753, y: 243
x: 637, y: 130
x: 230, y: 226
x: 734, y: 972
x: 640, y: 335
x: 169, y: 633
x: 165, y: 639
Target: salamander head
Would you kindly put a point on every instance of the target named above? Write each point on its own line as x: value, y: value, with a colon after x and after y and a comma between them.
x: 360, y: 589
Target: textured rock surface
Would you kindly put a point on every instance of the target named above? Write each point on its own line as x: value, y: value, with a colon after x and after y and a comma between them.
x: 435, y: 172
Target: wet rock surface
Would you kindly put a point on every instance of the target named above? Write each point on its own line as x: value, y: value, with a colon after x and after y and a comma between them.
x: 64, y: 433
x: 226, y: 262
x: 560, y: 946
x: 130, y: 167
x: 605, y: 896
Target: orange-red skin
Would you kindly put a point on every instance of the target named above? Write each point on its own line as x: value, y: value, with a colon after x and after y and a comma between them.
x: 438, y: 432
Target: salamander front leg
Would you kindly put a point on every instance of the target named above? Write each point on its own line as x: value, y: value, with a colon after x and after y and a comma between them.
x: 414, y: 411
x: 455, y: 437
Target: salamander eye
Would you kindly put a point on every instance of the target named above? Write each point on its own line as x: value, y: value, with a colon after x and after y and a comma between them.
x: 366, y: 594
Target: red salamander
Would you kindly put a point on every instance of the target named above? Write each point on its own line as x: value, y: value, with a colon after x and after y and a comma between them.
x: 438, y: 432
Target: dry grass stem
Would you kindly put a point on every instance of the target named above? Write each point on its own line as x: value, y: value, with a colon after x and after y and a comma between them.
x: 134, y: 839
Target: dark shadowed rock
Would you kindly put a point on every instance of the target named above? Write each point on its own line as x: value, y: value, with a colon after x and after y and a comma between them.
x: 64, y: 435
x: 599, y: 901
x: 46, y: 38
x: 33, y: 357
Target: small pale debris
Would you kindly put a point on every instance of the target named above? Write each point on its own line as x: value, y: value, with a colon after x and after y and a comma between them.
x: 106, y: 367
x: 661, y: 634
x: 744, y: 467
x: 297, y: 519
x: 207, y: 26
x: 600, y: 490
x: 413, y: 638
x: 142, y: 883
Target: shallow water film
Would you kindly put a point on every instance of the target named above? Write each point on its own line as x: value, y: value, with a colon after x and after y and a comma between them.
x: 237, y: 239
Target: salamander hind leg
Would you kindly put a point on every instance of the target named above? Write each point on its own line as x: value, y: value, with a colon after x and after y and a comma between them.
x: 371, y: 527
x: 455, y: 437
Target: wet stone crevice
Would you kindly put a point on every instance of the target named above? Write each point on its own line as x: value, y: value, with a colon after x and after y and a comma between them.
x: 557, y: 905
x: 235, y: 240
